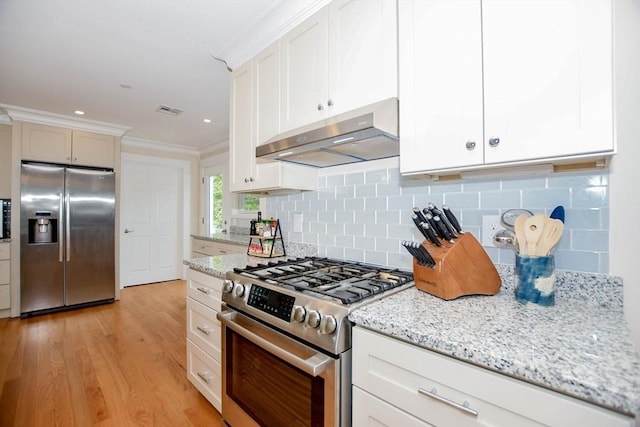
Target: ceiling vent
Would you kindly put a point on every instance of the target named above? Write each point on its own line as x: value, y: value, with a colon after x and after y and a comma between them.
x: 169, y: 110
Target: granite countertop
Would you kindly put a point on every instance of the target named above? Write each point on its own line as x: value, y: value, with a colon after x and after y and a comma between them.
x: 581, y: 346
x: 233, y: 238
x: 217, y: 266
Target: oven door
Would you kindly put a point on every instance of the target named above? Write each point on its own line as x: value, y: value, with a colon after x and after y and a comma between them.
x: 272, y: 380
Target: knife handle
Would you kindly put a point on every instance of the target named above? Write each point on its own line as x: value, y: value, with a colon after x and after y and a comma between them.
x: 432, y: 223
x: 452, y: 218
x: 437, y: 212
x: 430, y: 234
x: 418, y: 223
x: 423, y: 254
x: 442, y: 229
x: 418, y: 213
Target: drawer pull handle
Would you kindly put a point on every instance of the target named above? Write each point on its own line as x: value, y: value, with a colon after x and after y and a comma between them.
x: 434, y: 395
x: 203, y: 290
x: 205, y: 376
x: 204, y: 329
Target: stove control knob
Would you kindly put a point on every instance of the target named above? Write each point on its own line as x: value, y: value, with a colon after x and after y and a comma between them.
x: 238, y: 290
x: 328, y: 325
x: 313, y: 319
x: 299, y: 313
x: 227, y: 286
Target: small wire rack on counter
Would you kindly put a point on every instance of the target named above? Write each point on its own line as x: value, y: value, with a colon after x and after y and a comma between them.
x: 265, y: 240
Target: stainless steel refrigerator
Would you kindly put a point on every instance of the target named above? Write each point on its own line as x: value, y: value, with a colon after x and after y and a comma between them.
x: 67, y: 218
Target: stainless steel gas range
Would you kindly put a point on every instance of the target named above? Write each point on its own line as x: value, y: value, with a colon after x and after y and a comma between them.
x: 286, y: 339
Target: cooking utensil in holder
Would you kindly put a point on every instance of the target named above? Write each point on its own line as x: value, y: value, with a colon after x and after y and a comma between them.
x: 462, y: 268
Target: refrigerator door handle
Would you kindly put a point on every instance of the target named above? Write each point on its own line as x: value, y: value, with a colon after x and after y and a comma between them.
x: 60, y: 228
x: 67, y: 226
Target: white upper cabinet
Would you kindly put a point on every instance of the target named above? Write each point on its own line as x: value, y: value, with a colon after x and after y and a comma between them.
x: 60, y: 145
x: 304, y: 72
x: 242, y: 154
x: 254, y: 112
x: 363, y: 53
x: 341, y: 58
x: 494, y: 83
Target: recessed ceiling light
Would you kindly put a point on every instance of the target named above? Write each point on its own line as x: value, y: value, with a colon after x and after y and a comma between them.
x: 125, y: 86
x: 206, y: 120
x: 80, y: 113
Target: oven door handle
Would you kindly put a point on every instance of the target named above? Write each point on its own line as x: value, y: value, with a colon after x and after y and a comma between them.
x: 314, y: 365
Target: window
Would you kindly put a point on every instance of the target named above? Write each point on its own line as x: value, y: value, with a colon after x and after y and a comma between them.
x: 220, y: 208
x: 216, y: 197
x: 249, y: 203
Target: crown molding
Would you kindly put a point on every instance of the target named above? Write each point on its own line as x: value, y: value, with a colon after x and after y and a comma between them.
x: 215, y: 148
x: 268, y: 28
x: 52, y: 119
x: 128, y: 141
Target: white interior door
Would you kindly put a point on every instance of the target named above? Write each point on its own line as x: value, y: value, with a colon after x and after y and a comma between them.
x: 151, y: 236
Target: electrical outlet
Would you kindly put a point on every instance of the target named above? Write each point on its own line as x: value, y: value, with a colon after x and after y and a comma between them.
x: 490, y: 226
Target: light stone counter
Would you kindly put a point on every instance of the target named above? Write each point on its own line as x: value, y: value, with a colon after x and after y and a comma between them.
x: 581, y: 346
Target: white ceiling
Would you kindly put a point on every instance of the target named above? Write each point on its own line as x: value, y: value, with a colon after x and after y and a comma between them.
x: 59, y: 56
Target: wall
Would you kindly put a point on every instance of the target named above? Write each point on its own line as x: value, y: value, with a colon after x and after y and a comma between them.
x: 363, y: 215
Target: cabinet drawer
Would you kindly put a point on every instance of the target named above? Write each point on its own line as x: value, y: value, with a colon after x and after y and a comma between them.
x: 5, y: 277
x: 205, y: 374
x: 205, y: 289
x: 5, y: 296
x: 5, y: 251
x: 403, y: 375
x: 371, y: 411
x: 207, y: 247
x: 203, y: 328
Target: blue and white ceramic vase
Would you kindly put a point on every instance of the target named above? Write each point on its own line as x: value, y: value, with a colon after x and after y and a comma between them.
x: 535, y: 279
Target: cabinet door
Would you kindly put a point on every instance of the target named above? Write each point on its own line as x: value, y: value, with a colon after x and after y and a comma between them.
x: 440, y: 84
x: 92, y: 149
x: 547, y: 78
x: 5, y: 161
x: 304, y: 72
x: 363, y: 53
x: 368, y: 410
x: 266, y: 85
x: 242, y: 156
x: 46, y: 143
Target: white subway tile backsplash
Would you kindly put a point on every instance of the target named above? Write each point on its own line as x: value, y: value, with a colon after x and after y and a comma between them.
x: 354, y: 178
x: 363, y: 216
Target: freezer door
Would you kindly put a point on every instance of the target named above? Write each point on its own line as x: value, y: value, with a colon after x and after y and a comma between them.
x: 90, y: 253
x: 41, y: 261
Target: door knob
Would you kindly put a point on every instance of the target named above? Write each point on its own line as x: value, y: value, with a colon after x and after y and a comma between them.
x: 127, y: 231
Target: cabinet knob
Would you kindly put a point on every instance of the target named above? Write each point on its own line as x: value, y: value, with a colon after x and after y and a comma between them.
x: 251, y: 179
x: 320, y: 107
x: 330, y: 103
x: 246, y: 180
x: 470, y: 145
x: 494, y: 141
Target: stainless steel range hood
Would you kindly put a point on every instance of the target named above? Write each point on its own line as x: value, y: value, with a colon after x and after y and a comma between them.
x: 367, y: 133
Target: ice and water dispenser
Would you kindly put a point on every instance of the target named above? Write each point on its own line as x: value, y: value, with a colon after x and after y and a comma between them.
x: 43, y: 228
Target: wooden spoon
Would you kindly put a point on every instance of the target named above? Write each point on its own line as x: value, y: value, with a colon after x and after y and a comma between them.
x: 550, y: 236
x: 533, y: 228
x: 518, y: 228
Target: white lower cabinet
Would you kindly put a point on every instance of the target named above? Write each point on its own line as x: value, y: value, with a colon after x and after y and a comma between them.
x: 201, y: 247
x: 203, y: 335
x: 400, y: 384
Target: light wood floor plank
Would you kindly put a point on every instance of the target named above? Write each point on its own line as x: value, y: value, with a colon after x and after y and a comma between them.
x: 120, y: 364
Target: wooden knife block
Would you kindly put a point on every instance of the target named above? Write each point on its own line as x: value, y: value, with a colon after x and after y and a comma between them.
x: 462, y: 268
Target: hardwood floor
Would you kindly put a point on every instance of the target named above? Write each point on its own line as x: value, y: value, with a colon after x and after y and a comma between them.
x: 120, y: 364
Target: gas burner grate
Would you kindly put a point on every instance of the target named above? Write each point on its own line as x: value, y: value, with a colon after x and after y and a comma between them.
x: 345, y: 281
